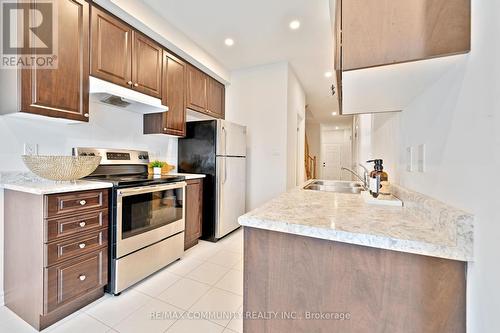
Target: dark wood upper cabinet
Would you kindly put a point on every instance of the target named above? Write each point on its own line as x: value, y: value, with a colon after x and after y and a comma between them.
x: 146, y: 65
x: 197, y: 89
x: 172, y: 122
x: 62, y: 92
x: 382, y: 32
x: 194, y: 216
x: 111, y: 55
x: 216, y: 98
x: 204, y: 94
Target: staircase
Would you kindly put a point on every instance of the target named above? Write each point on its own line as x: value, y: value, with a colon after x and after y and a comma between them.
x: 310, y: 163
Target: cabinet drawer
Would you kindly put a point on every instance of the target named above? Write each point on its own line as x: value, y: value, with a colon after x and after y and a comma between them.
x: 66, y: 249
x: 71, y: 203
x: 73, y: 279
x: 75, y: 225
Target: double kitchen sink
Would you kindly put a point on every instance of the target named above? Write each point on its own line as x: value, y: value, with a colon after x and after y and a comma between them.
x: 335, y: 186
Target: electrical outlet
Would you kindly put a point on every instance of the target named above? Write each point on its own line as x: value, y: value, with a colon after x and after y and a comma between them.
x: 409, y: 159
x: 30, y: 149
x: 421, y: 158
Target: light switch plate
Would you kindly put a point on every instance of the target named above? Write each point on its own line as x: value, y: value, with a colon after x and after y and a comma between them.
x: 421, y: 158
x: 30, y: 149
x: 409, y: 159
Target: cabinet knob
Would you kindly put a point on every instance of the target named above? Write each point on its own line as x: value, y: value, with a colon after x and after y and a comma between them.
x: 82, y: 245
x: 86, y: 115
x: 129, y: 83
x: 82, y: 277
x: 82, y: 224
x: 136, y: 84
x: 83, y: 202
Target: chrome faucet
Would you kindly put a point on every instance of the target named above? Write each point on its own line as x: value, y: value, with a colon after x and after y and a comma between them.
x: 364, y: 179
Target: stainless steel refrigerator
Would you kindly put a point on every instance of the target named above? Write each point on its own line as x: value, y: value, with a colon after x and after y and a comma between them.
x: 217, y: 148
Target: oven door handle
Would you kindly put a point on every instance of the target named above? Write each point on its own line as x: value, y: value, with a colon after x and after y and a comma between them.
x: 149, y: 189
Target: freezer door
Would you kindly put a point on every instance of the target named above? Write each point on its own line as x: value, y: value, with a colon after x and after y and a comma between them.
x: 231, y: 139
x: 231, y: 186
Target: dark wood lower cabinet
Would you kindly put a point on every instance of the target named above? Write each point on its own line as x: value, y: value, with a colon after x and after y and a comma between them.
x: 68, y: 281
x: 56, y: 253
x: 357, y: 289
x: 194, y: 210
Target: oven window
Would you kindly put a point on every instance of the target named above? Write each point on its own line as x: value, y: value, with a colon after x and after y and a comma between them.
x: 145, y: 212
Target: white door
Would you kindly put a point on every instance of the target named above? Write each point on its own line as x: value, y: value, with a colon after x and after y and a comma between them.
x: 332, y: 161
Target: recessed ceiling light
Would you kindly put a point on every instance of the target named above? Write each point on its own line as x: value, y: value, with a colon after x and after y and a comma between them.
x: 334, y: 113
x: 336, y: 127
x: 229, y: 41
x: 295, y: 24
x: 328, y: 74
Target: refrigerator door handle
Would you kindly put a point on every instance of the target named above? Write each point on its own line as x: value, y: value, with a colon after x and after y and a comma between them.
x: 225, y: 171
x: 225, y: 140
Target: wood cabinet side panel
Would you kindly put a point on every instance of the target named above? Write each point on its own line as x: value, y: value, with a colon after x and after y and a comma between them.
x: 23, y: 255
x: 382, y: 290
x: 381, y: 32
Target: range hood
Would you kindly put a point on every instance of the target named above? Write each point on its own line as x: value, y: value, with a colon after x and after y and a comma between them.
x: 127, y: 99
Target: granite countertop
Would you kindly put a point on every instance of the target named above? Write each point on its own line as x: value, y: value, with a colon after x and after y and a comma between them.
x: 29, y: 183
x: 189, y: 175
x: 423, y: 226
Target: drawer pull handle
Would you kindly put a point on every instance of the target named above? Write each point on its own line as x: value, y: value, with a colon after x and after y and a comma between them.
x: 82, y: 277
x: 82, y: 224
x: 83, y: 202
x: 82, y: 245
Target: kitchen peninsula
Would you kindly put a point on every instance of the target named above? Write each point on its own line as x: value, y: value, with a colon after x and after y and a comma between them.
x: 371, y: 268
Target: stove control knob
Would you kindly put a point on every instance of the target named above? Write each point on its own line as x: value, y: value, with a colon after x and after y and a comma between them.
x: 83, y: 154
x: 91, y: 154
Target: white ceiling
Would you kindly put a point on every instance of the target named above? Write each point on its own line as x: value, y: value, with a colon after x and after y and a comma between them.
x: 262, y: 36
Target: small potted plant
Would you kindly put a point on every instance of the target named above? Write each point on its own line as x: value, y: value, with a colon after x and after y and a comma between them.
x: 156, y: 166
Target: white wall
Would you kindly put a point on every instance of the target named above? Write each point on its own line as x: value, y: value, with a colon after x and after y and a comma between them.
x: 108, y: 127
x: 267, y: 100
x: 257, y: 98
x: 377, y: 136
x: 458, y: 119
x: 296, y: 108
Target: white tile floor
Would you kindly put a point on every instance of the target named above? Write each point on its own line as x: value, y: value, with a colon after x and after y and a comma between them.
x: 208, y: 278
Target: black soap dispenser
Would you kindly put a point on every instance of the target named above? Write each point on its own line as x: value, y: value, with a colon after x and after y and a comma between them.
x: 378, y: 178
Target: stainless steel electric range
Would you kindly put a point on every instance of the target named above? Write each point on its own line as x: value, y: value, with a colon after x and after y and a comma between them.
x: 147, y: 214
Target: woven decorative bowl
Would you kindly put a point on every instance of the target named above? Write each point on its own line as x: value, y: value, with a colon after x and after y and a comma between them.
x: 61, y: 168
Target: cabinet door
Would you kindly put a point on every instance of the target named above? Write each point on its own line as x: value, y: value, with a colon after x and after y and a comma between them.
x: 146, y: 65
x: 216, y: 98
x: 172, y: 122
x: 194, y: 205
x: 196, y: 89
x: 111, y: 49
x: 75, y: 278
x: 62, y: 92
x: 174, y: 93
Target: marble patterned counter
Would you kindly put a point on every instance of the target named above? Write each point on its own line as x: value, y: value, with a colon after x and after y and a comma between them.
x: 29, y: 183
x: 422, y: 226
